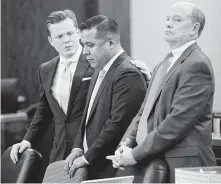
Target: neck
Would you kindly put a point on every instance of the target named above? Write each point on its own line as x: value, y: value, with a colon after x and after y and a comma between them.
x: 175, y: 45
x: 115, y: 50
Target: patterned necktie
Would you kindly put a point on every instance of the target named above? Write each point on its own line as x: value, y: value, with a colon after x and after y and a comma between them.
x: 65, y: 87
x: 158, y: 78
x: 95, y: 90
x: 93, y: 95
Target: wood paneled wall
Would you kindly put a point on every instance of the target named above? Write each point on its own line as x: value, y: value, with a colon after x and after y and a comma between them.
x: 24, y: 43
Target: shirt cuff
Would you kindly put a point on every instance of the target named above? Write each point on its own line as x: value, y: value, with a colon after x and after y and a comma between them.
x: 77, y: 148
x: 85, y: 160
x: 26, y: 142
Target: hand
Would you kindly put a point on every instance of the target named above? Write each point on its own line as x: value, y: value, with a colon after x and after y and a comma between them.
x: 115, y: 157
x: 142, y: 67
x: 126, y: 143
x: 119, y: 150
x: 78, y: 162
x: 126, y: 157
x: 18, y: 148
x: 114, y: 162
x: 71, y: 157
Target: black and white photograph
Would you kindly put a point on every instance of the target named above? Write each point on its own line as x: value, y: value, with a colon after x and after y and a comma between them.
x: 110, y: 91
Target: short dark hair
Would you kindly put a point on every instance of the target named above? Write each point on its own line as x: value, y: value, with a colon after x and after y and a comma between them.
x: 59, y: 16
x: 198, y: 16
x: 102, y: 23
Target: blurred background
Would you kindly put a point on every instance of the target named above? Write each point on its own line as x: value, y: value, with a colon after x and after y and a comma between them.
x: 24, y: 46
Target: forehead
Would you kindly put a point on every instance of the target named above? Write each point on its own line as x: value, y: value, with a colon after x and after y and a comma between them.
x: 89, y: 35
x: 181, y: 10
x: 62, y: 27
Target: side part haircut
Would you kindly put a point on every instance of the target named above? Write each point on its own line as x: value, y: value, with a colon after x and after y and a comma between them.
x: 198, y: 16
x: 102, y: 23
x: 58, y: 16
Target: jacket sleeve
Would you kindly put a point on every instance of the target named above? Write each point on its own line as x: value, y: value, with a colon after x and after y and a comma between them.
x: 128, y: 93
x: 42, y: 118
x: 195, y: 89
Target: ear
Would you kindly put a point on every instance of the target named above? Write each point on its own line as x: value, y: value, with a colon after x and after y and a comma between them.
x: 78, y: 33
x: 112, y: 42
x: 50, y: 40
x: 196, y: 28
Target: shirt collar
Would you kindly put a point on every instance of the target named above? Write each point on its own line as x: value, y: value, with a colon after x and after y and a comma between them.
x: 74, y: 58
x: 178, y: 51
x: 108, y: 65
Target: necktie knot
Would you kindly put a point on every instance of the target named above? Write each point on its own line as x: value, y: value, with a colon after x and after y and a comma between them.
x: 102, y: 73
x: 169, y: 55
x: 166, y: 62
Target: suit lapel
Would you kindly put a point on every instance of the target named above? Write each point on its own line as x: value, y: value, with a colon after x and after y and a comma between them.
x: 53, y: 66
x: 176, y: 65
x: 106, y: 79
x: 48, y: 83
x: 77, y: 80
x: 90, y: 90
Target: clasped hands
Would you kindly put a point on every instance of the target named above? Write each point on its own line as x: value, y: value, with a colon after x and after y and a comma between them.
x: 74, y: 161
x: 123, y: 156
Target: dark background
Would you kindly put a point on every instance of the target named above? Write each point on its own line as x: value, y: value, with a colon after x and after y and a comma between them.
x: 24, y: 43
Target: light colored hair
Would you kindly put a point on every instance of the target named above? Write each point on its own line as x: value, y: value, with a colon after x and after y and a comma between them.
x: 198, y: 16
x: 59, y: 16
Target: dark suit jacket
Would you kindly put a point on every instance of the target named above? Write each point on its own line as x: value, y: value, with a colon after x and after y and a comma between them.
x: 180, y: 122
x: 66, y: 126
x: 117, y: 101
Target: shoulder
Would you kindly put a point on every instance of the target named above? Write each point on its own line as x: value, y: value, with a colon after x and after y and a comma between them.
x: 126, y: 70
x: 47, y: 65
x: 198, y: 61
x: 127, y: 66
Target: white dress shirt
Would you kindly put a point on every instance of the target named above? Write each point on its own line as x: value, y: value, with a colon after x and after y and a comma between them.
x: 178, y: 51
x: 56, y: 81
x: 56, y: 85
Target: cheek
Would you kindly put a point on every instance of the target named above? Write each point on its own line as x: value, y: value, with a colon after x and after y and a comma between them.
x: 57, y: 46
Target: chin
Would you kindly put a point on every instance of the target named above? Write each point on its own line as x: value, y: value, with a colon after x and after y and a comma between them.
x: 92, y: 65
x: 169, y: 40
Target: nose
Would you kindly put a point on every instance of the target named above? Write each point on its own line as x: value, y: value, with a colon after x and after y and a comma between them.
x: 66, y: 38
x: 85, y: 50
x: 169, y: 24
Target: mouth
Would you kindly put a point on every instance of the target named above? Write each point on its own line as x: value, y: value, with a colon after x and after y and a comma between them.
x: 68, y: 47
x: 168, y: 32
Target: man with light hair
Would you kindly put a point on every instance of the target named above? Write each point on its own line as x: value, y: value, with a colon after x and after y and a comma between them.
x: 174, y: 122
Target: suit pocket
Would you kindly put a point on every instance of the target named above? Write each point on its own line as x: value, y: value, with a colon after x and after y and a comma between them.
x: 85, y: 84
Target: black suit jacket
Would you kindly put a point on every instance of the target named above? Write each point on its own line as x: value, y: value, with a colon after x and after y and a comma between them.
x: 180, y: 122
x: 117, y: 101
x: 66, y: 126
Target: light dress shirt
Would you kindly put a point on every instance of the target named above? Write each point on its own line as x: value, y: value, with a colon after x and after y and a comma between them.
x: 56, y: 85
x: 177, y: 53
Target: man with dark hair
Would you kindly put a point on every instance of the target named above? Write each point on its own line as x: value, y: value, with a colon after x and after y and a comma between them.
x: 115, y: 94
x: 175, y: 119
x: 64, y: 83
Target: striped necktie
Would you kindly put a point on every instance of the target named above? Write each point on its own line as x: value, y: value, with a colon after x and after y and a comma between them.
x: 100, y: 78
x: 158, y: 78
